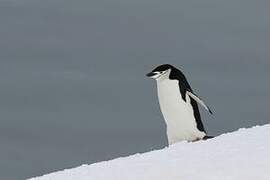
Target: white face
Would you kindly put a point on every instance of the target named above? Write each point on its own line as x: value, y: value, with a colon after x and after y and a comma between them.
x: 160, y: 74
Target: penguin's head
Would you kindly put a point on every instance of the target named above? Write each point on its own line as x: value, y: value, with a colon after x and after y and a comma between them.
x: 163, y: 70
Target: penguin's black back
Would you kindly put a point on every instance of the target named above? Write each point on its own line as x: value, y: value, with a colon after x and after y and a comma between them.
x: 184, y: 86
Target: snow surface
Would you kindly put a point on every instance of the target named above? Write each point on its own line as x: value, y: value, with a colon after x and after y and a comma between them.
x: 241, y: 155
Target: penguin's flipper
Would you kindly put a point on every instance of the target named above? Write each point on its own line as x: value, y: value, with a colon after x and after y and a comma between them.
x: 198, y: 100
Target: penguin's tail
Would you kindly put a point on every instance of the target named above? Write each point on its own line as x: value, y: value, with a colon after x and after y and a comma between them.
x: 208, y: 137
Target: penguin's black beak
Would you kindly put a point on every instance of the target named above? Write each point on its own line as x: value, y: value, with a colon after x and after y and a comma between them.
x: 150, y: 74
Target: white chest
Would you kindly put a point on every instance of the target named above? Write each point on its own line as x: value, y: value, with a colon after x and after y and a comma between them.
x: 178, y: 114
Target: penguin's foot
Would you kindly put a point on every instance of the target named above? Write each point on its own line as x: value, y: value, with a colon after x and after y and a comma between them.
x: 204, y: 138
x: 207, y: 137
x: 198, y: 139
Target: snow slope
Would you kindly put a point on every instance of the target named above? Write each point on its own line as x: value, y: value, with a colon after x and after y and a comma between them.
x: 241, y: 155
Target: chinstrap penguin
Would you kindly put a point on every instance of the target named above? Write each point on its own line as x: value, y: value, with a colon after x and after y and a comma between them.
x: 178, y: 104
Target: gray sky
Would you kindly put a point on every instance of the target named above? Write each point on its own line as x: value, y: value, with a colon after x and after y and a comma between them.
x: 73, y: 89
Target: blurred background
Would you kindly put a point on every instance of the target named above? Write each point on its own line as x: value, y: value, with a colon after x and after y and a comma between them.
x: 72, y: 75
